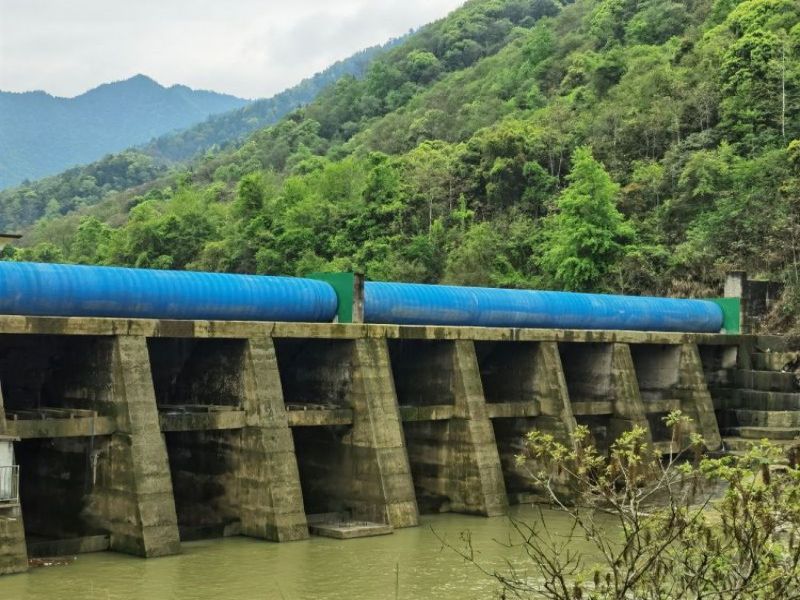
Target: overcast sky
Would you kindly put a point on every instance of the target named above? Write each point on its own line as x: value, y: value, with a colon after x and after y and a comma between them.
x: 250, y: 48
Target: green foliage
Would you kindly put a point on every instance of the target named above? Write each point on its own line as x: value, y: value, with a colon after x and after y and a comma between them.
x: 662, y: 528
x: 586, y: 235
x: 460, y: 156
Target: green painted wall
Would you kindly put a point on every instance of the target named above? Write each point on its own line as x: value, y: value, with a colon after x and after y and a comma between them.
x: 731, y: 311
x: 343, y: 284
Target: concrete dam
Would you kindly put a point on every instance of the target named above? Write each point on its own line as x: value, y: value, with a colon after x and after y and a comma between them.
x: 140, y: 409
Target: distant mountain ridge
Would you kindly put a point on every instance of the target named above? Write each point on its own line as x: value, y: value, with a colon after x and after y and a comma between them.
x: 233, y: 126
x: 42, y: 134
x: 88, y: 184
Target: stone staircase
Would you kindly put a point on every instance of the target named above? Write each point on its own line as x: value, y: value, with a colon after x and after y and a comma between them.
x: 759, y: 402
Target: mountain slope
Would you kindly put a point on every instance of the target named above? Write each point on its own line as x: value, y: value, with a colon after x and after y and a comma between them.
x: 230, y: 127
x: 452, y: 160
x: 86, y: 185
x: 41, y: 134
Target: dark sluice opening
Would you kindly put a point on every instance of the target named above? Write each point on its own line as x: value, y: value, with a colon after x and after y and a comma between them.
x: 48, y: 371
x: 428, y: 446
x: 587, y: 370
x: 315, y: 373
x: 423, y: 376
x: 423, y: 371
x: 57, y: 478
x: 197, y: 371
x: 202, y: 466
x: 719, y: 368
x: 331, y: 471
x: 507, y: 370
x: 657, y: 371
x: 510, y: 436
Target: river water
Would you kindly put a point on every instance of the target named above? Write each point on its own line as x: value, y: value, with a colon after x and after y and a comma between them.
x: 408, y: 564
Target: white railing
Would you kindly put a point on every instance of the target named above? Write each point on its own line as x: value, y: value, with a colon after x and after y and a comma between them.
x: 9, y: 485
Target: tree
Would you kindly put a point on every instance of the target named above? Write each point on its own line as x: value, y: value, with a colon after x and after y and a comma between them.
x: 422, y: 66
x: 657, y: 527
x: 586, y: 235
x: 250, y: 194
x: 90, y: 242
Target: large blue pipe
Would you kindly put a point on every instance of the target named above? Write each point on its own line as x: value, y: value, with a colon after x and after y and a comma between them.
x: 84, y: 291
x: 418, y: 304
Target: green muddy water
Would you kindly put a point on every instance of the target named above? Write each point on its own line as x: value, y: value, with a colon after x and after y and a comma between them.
x: 408, y: 564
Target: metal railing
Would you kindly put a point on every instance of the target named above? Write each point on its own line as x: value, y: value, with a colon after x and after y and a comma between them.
x: 9, y: 485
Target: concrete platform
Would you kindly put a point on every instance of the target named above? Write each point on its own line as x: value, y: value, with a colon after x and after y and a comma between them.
x: 350, y: 530
x: 320, y: 417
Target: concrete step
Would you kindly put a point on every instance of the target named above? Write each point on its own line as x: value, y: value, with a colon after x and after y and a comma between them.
x: 763, y: 418
x: 736, y: 445
x: 719, y: 377
x: 755, y: 400
x: 759, y: 433
x: 766, y: 381
x: 772, y: 361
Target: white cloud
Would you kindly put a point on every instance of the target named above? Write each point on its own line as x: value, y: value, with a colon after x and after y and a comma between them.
x: 251, y: 48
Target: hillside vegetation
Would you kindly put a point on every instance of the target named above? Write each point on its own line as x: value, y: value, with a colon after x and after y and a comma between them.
x: 42, y: 134
x: 637, y: 146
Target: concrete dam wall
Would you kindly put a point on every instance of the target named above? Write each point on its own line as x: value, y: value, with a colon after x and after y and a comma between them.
x: 133, y: 435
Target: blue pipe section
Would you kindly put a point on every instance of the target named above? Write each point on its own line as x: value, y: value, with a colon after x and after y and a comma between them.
x: 88, y: 291
x: 418, y: 304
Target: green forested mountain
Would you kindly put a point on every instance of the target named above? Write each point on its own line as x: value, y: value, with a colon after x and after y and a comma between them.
x: 86, y: 185
x: 42, y: 134
x: 231, y: 127
x: 610, y: 145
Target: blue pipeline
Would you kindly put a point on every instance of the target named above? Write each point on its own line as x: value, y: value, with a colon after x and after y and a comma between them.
x: 88, y: 291
x: 418, y: 304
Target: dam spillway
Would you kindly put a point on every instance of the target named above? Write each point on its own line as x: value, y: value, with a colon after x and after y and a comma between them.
x: 154, y: 431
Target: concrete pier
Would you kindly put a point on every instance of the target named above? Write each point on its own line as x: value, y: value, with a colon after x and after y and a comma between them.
x: 153, y: 432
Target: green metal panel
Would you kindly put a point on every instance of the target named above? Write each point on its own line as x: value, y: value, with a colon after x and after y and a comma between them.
x: 344, y: 285
x: 731, y: 311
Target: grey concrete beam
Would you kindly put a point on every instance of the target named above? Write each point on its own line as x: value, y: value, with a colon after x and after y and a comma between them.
x: 133, y: 496
x: 269, y: 493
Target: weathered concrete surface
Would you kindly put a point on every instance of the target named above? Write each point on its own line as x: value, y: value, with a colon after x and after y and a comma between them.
x: 476, y: 479
x: 210, y: 421
x: 544, y: 396
x: 13, y: 552
x: 377, y: 427
x: 65, y: 547
x: 350, y: 531
x: 455, y: 462
x: 695, y: 397
x: 133, y: 494
x: 80, y: 326
x: 243, y: 460
x: 58, y: 428
x: 270, y: 497
x: 320, y: 417
x: 766, y: 381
